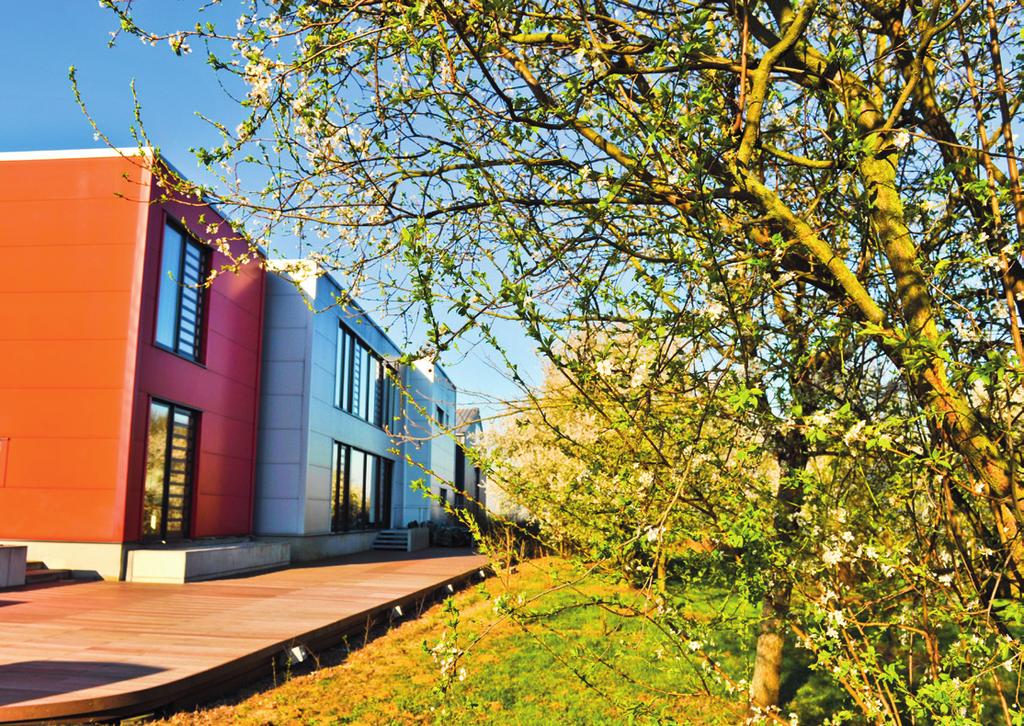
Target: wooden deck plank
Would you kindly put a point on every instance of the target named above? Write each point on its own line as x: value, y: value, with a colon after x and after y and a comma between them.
x: 111, y: 647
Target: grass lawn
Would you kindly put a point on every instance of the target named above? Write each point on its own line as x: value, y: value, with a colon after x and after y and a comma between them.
x: 530, y: 673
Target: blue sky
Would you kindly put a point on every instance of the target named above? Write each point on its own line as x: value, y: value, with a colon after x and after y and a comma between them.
x: 39, y: 40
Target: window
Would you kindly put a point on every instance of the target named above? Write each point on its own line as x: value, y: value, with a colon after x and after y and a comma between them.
x: 442, y: 417
x: 365, y: 384
x: 361, y: 483
x: 180, y: 301
x: 170, y: 462
x: 460, y: 468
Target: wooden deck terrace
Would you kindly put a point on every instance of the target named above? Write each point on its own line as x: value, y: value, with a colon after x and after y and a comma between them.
x: 108, y: 650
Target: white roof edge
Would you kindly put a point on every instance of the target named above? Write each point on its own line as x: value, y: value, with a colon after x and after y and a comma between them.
x: 106, y: 151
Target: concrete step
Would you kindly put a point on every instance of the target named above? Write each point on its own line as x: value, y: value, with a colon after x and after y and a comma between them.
x: 39, y: 576
x: 204, y: 561
x: 396, y: 540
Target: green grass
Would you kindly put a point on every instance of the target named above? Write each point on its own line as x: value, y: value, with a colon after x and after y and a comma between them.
x: 575, y: 663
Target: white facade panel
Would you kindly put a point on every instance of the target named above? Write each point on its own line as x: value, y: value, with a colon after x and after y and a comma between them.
x: 288, y: 309
x: 318, y: 482
x: 281, y: 446
x: 289, y: 343
x: 284, y: 377
x: 277, y: 516
x: 282, y: 412
x: 280, y: 481
x: 280, y: 458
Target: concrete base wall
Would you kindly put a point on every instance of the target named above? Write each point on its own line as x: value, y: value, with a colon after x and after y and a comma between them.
x: 84, y: 559
x: 188, y: 564
x: 419, y: 538
x: 310, y: 548
x: 12, y: 565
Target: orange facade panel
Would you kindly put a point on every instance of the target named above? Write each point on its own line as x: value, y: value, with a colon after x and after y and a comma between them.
x: 63, y: 463
x: 68, y: 259
x: 81, y: 364
x: 69, y: 178
x: 29, y: 315
x: 84, y: 515
x: 81, y: 268
x: 43, y: 412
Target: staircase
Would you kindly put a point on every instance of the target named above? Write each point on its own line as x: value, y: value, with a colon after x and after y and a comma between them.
x: 403, y: 540
x: 392, y: 539
x: 37, y: 573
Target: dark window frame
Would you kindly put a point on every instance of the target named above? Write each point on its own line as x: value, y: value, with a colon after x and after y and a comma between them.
x: 342, y: 518
x: 183, y: 288
x: 352, y: 378
x: 191, y: 471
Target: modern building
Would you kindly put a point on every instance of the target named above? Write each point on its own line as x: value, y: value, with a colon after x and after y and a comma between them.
x: 128, y: 390
x: 345, y: 430
x: 469, y: 483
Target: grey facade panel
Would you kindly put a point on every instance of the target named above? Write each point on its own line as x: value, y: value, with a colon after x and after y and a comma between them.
x: 300, y: 506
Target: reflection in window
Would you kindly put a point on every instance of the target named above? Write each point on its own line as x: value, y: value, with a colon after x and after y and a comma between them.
x: 179, y: 319
x: 354, y: 488
x: 365, y: 385
x: 170, y: 462
x: 361, y: 483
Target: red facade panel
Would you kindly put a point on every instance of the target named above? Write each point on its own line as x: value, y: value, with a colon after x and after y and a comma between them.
x: 224, y: 388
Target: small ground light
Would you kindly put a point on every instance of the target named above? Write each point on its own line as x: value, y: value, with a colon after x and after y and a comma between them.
x: 450, y: 587
x: 398, y: 610
x: 296, y: 654
x: 481, y: 573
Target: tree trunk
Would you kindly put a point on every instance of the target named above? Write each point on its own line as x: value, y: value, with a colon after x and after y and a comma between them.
x: 764, y: 686
x: 767, y: 679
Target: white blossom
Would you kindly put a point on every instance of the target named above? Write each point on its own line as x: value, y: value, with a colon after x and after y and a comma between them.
x: 832, y: 557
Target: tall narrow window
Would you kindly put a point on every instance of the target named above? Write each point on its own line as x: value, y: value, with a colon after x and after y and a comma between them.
x: 339, y: 503
x: 167, y: 496
x: 342, y: 381
x: 387, y: 398
x: 180, y: 302
x: 387, y: 473
x: 354, y: 485
x: 355, y: 374
x: 373, y: 390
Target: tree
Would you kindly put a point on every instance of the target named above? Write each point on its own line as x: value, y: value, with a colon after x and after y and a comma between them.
x: 821, y: 200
